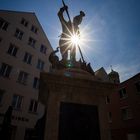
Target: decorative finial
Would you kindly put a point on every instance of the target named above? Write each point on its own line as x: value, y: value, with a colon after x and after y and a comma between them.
x: 111, y: 67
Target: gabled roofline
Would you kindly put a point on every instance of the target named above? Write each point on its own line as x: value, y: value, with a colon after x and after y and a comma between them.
x: 42, y: 30
x: 102, y: 68
x: 3, y: 10
x: 32, y: 13
x: 138, y: 74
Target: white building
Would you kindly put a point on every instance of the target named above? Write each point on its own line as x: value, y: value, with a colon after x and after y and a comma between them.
x: 24, y: 52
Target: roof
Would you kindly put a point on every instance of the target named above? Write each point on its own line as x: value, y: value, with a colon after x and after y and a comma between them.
x: 113, y: 72
x: 2, y: 10
x: 29, y: 13
x: 131, y: 78
x: 101, y: 73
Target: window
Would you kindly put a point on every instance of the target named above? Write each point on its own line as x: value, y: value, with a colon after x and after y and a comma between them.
x: 22, y: 77
x: 107, y: 100
x: 123, y: 93
x: 133, y: 136
x: 24, y: 22
x: 34, y: 29
x: 137, y: 86
x: 33, y: 106
x: 40, y: 64
x: 43, y: 49
x: 28, y: 133
x: 1, y: 95
x: 5, y: 70
x: 17, y: 101
x: 3, y: 24
x: 109, y: 117
x: 18, y: 34
x: 36, y: 83
x: 12, y: 50
x: 27, y: 58
x: 31, y: 42
x: 126, y: 113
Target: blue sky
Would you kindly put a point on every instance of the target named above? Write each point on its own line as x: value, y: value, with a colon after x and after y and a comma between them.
x: 112, y: 26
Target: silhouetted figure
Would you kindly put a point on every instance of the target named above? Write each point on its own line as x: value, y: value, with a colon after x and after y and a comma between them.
x: 83, y: 65
x: 68, y: 28
x: 89, y: 69
x: 40, y: 127
x: 53, y: 58
x: 38, y: 132
x: 6, y: 126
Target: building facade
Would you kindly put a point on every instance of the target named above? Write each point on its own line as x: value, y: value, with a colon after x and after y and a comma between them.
x: 24, y: 52
x: 123, y: 106
x: 124, y: 110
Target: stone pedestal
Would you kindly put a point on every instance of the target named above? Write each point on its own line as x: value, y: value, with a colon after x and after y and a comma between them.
x: 75, y: 105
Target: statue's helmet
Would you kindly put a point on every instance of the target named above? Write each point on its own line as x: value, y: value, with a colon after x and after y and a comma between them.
x: 78, y: 19
x: 82, y: 13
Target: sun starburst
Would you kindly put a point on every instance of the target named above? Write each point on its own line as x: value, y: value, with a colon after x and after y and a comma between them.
x: 81, y: 39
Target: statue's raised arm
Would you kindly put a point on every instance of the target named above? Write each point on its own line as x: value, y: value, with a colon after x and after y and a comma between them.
x: 60, y: 14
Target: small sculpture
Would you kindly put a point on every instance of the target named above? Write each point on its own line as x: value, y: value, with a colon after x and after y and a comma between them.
x: 53, y: 58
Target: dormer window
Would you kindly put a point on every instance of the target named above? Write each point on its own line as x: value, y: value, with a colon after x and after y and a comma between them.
x: 123, y: 93
x: 34, y: 29
x: 138, y: 86
x: 19, y: 34
x: 3, y: 24
x: 31, y: 42
x: 43, y: 49
x: 24, y: 22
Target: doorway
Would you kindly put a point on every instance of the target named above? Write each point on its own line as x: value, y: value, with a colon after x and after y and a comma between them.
x: 78, y: 122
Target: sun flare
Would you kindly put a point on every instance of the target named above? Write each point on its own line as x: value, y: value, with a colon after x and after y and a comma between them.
x: 75, y: 39
x: 79, y: 40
